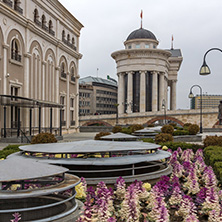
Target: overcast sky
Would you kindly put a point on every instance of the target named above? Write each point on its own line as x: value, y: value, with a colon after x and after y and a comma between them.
x: 196, y: 26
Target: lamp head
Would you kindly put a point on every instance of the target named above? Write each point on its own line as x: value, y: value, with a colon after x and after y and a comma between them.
x: 204, y: 70
x: 191, y: 95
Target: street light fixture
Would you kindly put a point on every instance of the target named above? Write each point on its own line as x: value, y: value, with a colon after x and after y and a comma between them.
x: 191, y: 96
x: 164, y: 108
x: 205, y: 70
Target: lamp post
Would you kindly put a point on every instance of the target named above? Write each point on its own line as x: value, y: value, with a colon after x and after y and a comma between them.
x: 191, y: 96
x: 164, y: 108
x: 117, y: 115
x: 205, y: 70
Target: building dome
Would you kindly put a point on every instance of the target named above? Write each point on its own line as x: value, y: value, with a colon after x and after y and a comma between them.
x: 141, y: 34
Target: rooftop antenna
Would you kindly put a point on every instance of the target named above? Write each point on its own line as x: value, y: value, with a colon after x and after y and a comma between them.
x: 141, y: 16
x: 97, y: 72
x: 172, y: 43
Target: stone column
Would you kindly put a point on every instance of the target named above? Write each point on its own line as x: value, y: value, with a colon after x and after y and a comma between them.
x: 5, y: 71
x: 166, y: 91
x: 121, y: 88
x: 161, y: 90
x: 154, y: 92
x: 56, y: 113
x: 142, y: 91
x: 130, y: 92
x: 45, y: 110
x: 67, y: 102
x: 173, y: 95
x: 76, y: 104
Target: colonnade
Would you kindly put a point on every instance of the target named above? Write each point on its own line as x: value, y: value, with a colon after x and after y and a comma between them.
x: 158, y: 92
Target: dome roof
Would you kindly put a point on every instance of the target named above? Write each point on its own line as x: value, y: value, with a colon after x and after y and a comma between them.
x: 141, y: 34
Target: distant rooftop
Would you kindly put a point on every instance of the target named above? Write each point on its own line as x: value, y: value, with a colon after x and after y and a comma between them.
x: 90, y: 79
x: 175, y: 52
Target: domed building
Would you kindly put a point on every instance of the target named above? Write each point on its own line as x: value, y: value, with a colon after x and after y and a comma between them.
x: 145, y: 73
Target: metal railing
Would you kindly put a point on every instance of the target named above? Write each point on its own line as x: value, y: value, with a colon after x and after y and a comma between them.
x: 51, y: 32
x: 16, y: 56
x: 72, y: 122
x: 63, y: 75
x: 8, y: 2
x: 18, y: 9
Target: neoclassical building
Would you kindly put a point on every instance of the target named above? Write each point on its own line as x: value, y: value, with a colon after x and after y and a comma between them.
x: 39, y: 62
x: 145, y: 73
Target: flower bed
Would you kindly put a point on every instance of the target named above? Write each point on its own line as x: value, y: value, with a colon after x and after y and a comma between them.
x: 190, y: 194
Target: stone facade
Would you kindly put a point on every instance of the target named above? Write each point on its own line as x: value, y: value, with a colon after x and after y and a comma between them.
x: 39, y: 59
x: 145, y: 73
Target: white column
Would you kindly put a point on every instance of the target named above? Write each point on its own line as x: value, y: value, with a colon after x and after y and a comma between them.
x: 5, y: 76
x: 121, y: 88
x: 67, y: 102
x: 154, y: 92
x: 142, y: 91
x: 129, y: 92
x: 57, y: 117
x: 76, y: 104
x: 44, y: 110
x: 173, y: 95
x: 161, y: 90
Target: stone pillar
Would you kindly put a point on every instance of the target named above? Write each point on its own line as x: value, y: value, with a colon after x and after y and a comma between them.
x: 166, y: 92
x: 154, y: 92
x: 44, y: 87
x: 173, y: 95
x: 121, y: 88
x: 67, y: 102
x: 161, y: 90
x: 142, y: 91
x: 76, y: 104
x: 25, y: 112
x: 5, y: 71
x: 130, y: 92
x: 57, y: 112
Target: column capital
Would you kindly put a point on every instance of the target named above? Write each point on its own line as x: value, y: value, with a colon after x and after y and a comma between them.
x: 142, y: 71
x: 174, y: 80
x: 44, y: 63
x: 153, y: 72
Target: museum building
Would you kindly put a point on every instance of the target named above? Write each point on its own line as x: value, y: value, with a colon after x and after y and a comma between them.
x: 145, y: 73
x: 39, y: 63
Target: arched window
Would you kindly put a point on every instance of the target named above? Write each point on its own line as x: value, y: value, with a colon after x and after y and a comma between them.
x: 73, y: 41
x: 63, y: 35
x: 68, y: 38
x: 43, y: 21
x: 50, y: 28
x: 36, y: 15
x: 15, y: 50
x: 17, y: 6
x: 62, y: 71
x: 73, y: 75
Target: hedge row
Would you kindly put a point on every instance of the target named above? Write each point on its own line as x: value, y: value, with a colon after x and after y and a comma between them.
x: 9, y: 150
x: 213, y: 157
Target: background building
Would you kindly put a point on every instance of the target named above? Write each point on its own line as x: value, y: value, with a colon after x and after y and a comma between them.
x: 145, y: 73
x: 208, y: 101
x: 39, y: 61
x: 97, y: 96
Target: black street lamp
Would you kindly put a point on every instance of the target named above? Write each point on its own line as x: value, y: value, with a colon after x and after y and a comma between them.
x: 205, y: 70
x: 164, y: 108
x: 191, y: 96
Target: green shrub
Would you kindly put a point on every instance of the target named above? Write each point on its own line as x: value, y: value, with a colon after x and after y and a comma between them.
x: 163, y: 137
x: 167, y: 129
x: 44, y: 138
x: 179, y: 128
x: 174, y: 145
x: 186, y: 125
x: 173, y: 125
x: 148, y: 140
x: 180, y: 132
x: 136, y: 127
x: 127, y: 130
x: 193, y: 129
x: 117, y: 129
x: 218, y: 170
x: 9, y: 150
x: 213, y: 141
x: 101, y: 134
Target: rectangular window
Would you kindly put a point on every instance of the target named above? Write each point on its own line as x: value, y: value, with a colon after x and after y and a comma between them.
x: 137, y: 46
x: 71, y: 102
x: 62, y: 100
